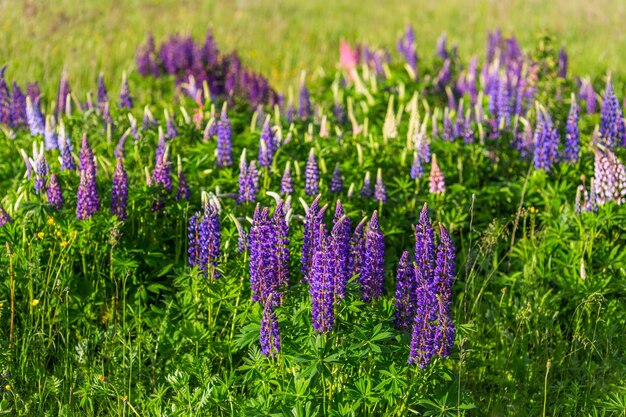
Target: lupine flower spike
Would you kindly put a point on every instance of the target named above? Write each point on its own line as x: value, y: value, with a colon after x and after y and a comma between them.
x: 224, y: 139
x: 373, y: 274
x: 286, y: 183
x: 336, y: 181
x: 183, y: 192
x: 4, y: 216
x: 380, y: 192
x: 119, y: 191
x: 126, y: 101
x: 437, y: 180
x: 311, y: 176
x: 55, y: 195
x: 366, y: 189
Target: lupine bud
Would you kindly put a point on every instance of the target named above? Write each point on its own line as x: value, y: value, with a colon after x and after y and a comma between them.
x: 126, y: 101
x: 267, y: 146
x: 224, y: 140
x: 286, y: 183
x: 366, y: 189
x: 41, y: 171
x: 304, y: 110
x: 183, y: 192
x: 562, y: 70
x: 437, y: 181
x: 119, y: 191
x: 373, y: 274
x: 103, y: 95
x: 171, y: 131
x: 64, y: 91
x: 311, y: 176
x: 380, y: 192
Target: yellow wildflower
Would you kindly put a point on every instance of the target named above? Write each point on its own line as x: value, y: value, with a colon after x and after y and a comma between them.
x: 34, y: 303
x: 63, y: 243
x: 50, y: 221
x: 40, y: 235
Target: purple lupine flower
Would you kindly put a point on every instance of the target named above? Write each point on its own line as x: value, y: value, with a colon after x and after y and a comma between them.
x: 224, y: 140
x: 283, y: 257
x: 4, y: 216
x: 366, y: 189
x: 336, y: 181
x: 311, y: 227
x: 67, y: 159
x: 248, y: 180
x: 171, y: 131
x: 437, y: 181
x: 417, y: 169
x: 572, y: 136
x: 242, y: 238
x: 55, y: 195
x: 304, y: 102
x: 339, y: 113
x: 339, y: 242
x: 18, y: 106
x: 32, y: 91
x: 119, y: 191
x: 546, y: 141
x: 126, y: 101
x: 448, y: 128
x: 64, y: 91
x: 209, y: 242
x: 610, y: 177
x: 588, y: 95
x: 443, y: 339
x: 372, y: 276
x: 321, y: 285
x: 357, y: 249
x: 87, y: 161
x: 405, y: 293
x: 407, y: 47
x: 50, y: 135
x: 611, y: 118
x: 311, y: 176
x: 88, y: 201
x: 35, y: 119
x: 41, y: 171
x: 148, y: 119
x: 562, y: 70
x: 5, y: 99
x: 444, y: 76
x: 468, y: 132
x: 267, y: 146
x: 183, y: 192
x: 270, y: 333
x: 193, y: 239
x: 504, y: 103
x: 591, y: 203
x: 380, y: 191
x: 103, y: 95
x: 442, y: 47
x: 264, y: 282
x: 286, y: 183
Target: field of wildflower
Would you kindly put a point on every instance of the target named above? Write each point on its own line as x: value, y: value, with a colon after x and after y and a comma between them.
x: 408, y: 232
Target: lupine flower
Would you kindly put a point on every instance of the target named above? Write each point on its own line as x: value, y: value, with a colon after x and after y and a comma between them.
x: 610, y: 177
x: 380, y: 192
x: 18, y: 107
x: 572, y: 136
x: 67, y: 159
x: 119, y: 191
x: 339, y: 242
x: 372, y: 276
x: 546, y: 141
x: 148, y: 119
x: 171, y: 131
x: 405, y: 293
x: 183, y: 192
x: 64, y: 91
x: 336, y: 181
x: 504, y: 103
x: 126, y: 101
x: 224, y: 140
x: 35, y: 119
x: 242, y: 238
x: 87, y: 161
x: 270, y: 333
x: 591, y: 203
x: 311, y: 176
x: 210, y: 241
x: 588, y: 95
x: 267, y: 146
x: 448, y: 127
x: 562, y: 71
x: 468, y: 132
x: 103, y: 95
x: 41, y: 171
x: 444, y: 76
x: 304, y: 102
x: 390, y: 130
x: 442, y: 48
x: 357, y: 249
x: 407, y: 47
x: 417, y: 170
x: 313, y: 218
x: 339, y: 114
x: 437, y: 181
x: 578, y: 200
x: 88, y: 201
x: 366, y: 189
x: 263, y: 242
x: 4, y: 216
x: 50, y: 135
x: 55, y: 195
x: 286, y: 183
x: 248, y: 180
x: 321, y: 285
x: 443, y: 339
x: 193, y: 239
x: 611, y: 118
x: 5, y: 99
x: 281, y: 231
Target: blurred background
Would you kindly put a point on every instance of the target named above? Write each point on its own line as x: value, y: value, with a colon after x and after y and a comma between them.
x: 280, y: 38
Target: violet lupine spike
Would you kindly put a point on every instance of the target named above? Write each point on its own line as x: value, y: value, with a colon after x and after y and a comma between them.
x: 448, y: 128
x: 563, y: 59
x: 588, y: 95
x: 267, y: 146
x: 171, y: 131
x: 443, y: 338
x: 283, y: 257
x: 366, y: 189
x: 311, y: 176
x: 380, y: 191
x: 357, y: 249
x: 417, y: 169
x: 183, y: 192
x: 210, y: 242
x: 88, y: 201
x: 119, y: 191
x: 339, y: 242
x: 468, y: 131
x: 55, y: 195
x: 504, y: 103
x: 572, y: 136
x: 126, y: 101
x: 407, y: 47
x: 405, y: 293
x: 50, y: 135
x: 311, y: 227
x: 304, y: 102
x: 4, y: 217
x: 18, y: 107
x: 321, y: 285
x: 591, y: 203
x: 193, y: 239
x: 5, y: 99
x: 103, y: 94
x: 270, y: 332
x: 336, y: 181
x: 41, y: 173
x: 286, y: 182
x: 437, y: 183
x: 611, y: 119
x: 248, y: 181
x: 35, y: 119
x: 444, y: 76
x: 64, y: 91
x: 67, y: 159
x: 442, y: 47
x: 161, y: 174
x: 264, y: 282
x: 224, y: 140
x: 87, y: 162
x: 372, y: 277
x: 546, y: 142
